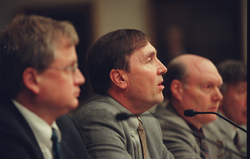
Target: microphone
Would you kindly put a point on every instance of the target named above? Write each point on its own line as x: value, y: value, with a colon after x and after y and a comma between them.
x: 123, y: 116
x: 190, y: 113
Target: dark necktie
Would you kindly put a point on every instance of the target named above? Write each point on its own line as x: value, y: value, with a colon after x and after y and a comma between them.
x: 56, y: 145
x: 236, y: 141
x: 142, y: 136
x: 204, y: 148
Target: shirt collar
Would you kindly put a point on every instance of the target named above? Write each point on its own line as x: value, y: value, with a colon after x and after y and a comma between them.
x: 41, y: 129
x: 133, y: 122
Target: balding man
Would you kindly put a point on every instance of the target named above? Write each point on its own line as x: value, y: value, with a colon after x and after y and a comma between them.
x: 192, y: 82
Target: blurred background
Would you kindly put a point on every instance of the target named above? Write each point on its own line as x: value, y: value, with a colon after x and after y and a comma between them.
x: 216, y: 29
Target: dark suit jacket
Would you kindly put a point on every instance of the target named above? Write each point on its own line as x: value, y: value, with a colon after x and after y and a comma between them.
x: 17, y: 140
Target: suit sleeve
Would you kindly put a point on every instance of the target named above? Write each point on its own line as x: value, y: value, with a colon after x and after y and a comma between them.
x: 104, y: 136
x: 181, y: 143
x: 154, y: 139
x: 166, y: 153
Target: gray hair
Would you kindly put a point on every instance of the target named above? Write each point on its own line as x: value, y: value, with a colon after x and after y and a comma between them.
x: 29, y: 41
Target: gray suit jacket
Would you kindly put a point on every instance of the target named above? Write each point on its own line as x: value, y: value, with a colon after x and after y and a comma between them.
x: 107, y: 138
x: 222, y: 130
x: 178, y: 136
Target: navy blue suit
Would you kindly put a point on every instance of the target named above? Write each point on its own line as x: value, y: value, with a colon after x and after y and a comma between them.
x: 18, y: 141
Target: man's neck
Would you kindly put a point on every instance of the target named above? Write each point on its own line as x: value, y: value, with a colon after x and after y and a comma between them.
x: 40, y: 111
x: 190, y: 120
x: 133, y: 106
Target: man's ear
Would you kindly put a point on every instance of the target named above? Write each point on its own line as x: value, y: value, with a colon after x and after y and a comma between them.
x: 176, y: 88
x: 30, y: 79
x: 118, y: 77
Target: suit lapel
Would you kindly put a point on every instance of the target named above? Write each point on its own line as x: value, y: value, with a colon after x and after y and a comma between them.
x: 65, y: 151
x: 24, y: 132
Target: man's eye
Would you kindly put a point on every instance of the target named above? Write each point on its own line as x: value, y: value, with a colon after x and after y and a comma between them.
x: 241, y: 91
x: 207, y: 88
x: 149, y: 59
x: 70, y: 68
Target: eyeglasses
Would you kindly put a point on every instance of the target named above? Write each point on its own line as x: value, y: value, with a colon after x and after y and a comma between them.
x: 68, y: 68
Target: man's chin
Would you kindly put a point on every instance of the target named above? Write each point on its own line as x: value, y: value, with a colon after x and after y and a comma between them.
x: 74, y: 104
x: 161, y: 98
x: 210, y: 118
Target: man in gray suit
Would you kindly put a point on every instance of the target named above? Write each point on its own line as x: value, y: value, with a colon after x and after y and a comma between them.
x: 126, y: 77
x: 233, y: 106
x: 192, y: 82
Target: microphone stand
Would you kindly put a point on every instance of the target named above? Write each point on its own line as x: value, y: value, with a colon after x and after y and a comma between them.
x: 222, y: 118
x: 197, y: 134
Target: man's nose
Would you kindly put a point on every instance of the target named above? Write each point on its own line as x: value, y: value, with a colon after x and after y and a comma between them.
x: 79, y: 78
x: 162, y: 69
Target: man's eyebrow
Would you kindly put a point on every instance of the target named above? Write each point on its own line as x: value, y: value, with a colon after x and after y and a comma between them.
x: 145, y: 56
x: 71, y: 63
x: 148, y: 54
x: 151, y: 54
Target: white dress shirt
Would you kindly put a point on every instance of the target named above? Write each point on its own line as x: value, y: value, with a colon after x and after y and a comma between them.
x: 41, y: 129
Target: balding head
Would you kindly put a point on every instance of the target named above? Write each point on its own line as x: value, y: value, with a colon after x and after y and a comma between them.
x: 193, y: 82
x: 182, y: 67
x: 195, y: 65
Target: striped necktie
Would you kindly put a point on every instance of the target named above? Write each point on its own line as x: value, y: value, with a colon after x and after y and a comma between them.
x: 204, y: 148
x: 56, y: 145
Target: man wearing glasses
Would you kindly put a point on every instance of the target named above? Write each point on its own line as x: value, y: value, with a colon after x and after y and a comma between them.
x: 39, y: 84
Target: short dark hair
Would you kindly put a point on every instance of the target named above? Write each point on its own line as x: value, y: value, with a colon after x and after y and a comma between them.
x: 176, y: 70
x: 29, y: 41
x: 232, y: 72
x: 112, y: 51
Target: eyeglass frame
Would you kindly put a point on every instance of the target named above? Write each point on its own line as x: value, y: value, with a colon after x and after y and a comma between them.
x: 67, y: 68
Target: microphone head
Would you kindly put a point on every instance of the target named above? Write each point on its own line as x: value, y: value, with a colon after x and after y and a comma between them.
x: 189, y: 113
x: 122, y: 116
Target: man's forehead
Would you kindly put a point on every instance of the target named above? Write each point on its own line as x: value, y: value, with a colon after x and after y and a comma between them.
x: 204, y: 76
x: 145, y: 51
x: 66, y: 54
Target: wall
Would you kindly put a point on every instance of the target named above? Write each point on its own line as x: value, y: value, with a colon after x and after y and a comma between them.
x: 118, y: 14
x: 107, y: 14
x: 111, y: 15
